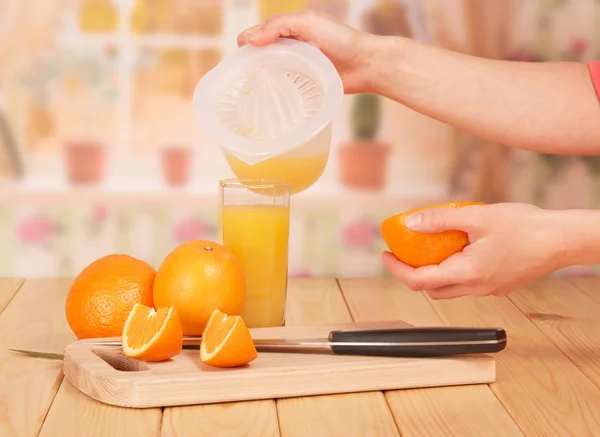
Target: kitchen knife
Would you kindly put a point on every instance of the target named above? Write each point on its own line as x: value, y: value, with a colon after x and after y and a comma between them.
x: 404, y: 342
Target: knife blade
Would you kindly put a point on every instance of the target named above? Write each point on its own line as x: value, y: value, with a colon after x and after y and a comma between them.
x: 403, y: 342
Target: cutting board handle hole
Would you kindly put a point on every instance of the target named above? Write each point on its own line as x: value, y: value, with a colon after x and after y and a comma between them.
x: 118, y: 361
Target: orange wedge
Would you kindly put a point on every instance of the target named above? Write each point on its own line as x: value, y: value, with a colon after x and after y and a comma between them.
x: 226, y: 341
x: 151, y: 335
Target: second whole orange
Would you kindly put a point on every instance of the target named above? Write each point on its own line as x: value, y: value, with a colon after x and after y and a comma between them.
x: 418, y: 249
x: 196, y: 278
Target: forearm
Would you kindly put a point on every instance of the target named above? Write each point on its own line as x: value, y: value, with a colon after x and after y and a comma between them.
x: 544, y: 107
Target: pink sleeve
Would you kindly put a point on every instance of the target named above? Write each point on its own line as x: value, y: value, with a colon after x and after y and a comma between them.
x: 594, y: 67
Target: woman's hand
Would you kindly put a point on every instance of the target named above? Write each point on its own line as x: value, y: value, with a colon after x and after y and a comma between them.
x: 510, y: 245
x: 349, y: 49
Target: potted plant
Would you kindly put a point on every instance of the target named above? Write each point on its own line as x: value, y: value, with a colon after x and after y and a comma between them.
x: 176, y: 162
x: 363, y: 160
x: 85, y: 153
x: 85, y: 161
x: 389, y: 18
x: 84, y: 81
x: 36, y: 79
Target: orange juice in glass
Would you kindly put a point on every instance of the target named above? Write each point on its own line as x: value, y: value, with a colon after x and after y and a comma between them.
x: 255, y: 223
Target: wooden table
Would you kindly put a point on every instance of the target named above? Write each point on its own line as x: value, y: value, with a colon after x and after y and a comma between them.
x: 548, y: 376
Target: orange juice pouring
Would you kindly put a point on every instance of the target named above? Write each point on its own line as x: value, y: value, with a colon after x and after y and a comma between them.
x: 301, y: 172
x: 255, y: 222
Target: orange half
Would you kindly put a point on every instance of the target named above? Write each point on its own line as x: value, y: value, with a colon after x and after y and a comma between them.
x: 226, y: 341
x: 422, y: 249
x: 152, y: 335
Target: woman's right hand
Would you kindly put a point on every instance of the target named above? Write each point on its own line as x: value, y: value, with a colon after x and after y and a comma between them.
x: 350, y: 50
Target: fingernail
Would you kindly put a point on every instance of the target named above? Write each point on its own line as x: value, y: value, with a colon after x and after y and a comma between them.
x: 253, y: 34
x: 413, y: 221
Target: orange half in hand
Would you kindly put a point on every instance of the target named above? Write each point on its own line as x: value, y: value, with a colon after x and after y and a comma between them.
x: 152, y: 335
x: 420, y: 249
x: 226, y: 341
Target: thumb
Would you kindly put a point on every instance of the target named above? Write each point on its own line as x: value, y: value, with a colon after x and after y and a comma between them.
x: 249, y: 35
x: 443, y: 219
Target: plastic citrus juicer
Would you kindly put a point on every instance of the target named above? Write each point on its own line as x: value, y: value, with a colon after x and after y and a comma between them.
x: 271, y: 109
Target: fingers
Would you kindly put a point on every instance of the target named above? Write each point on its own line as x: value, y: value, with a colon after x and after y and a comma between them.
x: 428, y: 277
x: 298, y: 25
x: 433, y: 220
x: 248, y: 34
x: 397, y: 268
x: 283, y: 26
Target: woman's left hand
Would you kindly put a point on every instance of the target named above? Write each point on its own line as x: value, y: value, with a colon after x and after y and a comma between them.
x: 510, y: 245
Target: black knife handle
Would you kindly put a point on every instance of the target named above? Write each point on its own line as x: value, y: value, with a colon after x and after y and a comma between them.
x: 419, y: 342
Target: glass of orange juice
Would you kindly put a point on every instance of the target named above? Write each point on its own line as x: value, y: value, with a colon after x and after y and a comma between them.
x: 255, y: 224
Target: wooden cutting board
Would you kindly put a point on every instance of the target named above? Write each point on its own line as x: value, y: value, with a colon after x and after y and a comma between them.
x: 108, y: 376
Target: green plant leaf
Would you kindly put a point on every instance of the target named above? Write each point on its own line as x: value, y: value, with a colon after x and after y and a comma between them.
x: 366, y: 116
x: 47, y: 355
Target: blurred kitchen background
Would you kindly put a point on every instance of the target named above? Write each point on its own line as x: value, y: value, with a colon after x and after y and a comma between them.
x: 100, y: 152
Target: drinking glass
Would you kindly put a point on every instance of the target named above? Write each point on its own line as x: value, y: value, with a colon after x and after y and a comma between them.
x: 255, y: 223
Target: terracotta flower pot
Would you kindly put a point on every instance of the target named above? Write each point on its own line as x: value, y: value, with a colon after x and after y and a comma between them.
x: 85, y: 162
x: 176, y: 164
x: 363, y: 164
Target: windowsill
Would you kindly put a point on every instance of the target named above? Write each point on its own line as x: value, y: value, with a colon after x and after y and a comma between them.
x: 319, y: 196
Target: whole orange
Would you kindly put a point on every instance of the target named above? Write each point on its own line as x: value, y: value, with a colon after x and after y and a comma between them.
x: 198, y: 277
x: 420, y: 249
x: 103, y: 294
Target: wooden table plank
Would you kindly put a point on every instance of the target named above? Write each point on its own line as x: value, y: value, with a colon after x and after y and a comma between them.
x: 544, y: 392
x: 364, y: 414
x: 46, y: 299
x: 231, y: 419
x: 316, y: 301
x: 569, y: 317
x: 465, y: 411
x: 589, y: 286
x: 461, y: 411
x: 34, y: 320
x: 74, y: 414
x: 309, y: 300
x: 387, y: 299
x: 8, y: 288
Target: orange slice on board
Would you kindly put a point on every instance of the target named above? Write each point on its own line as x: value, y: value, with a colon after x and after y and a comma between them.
x: 226, y: 341
x: 151, y: 335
